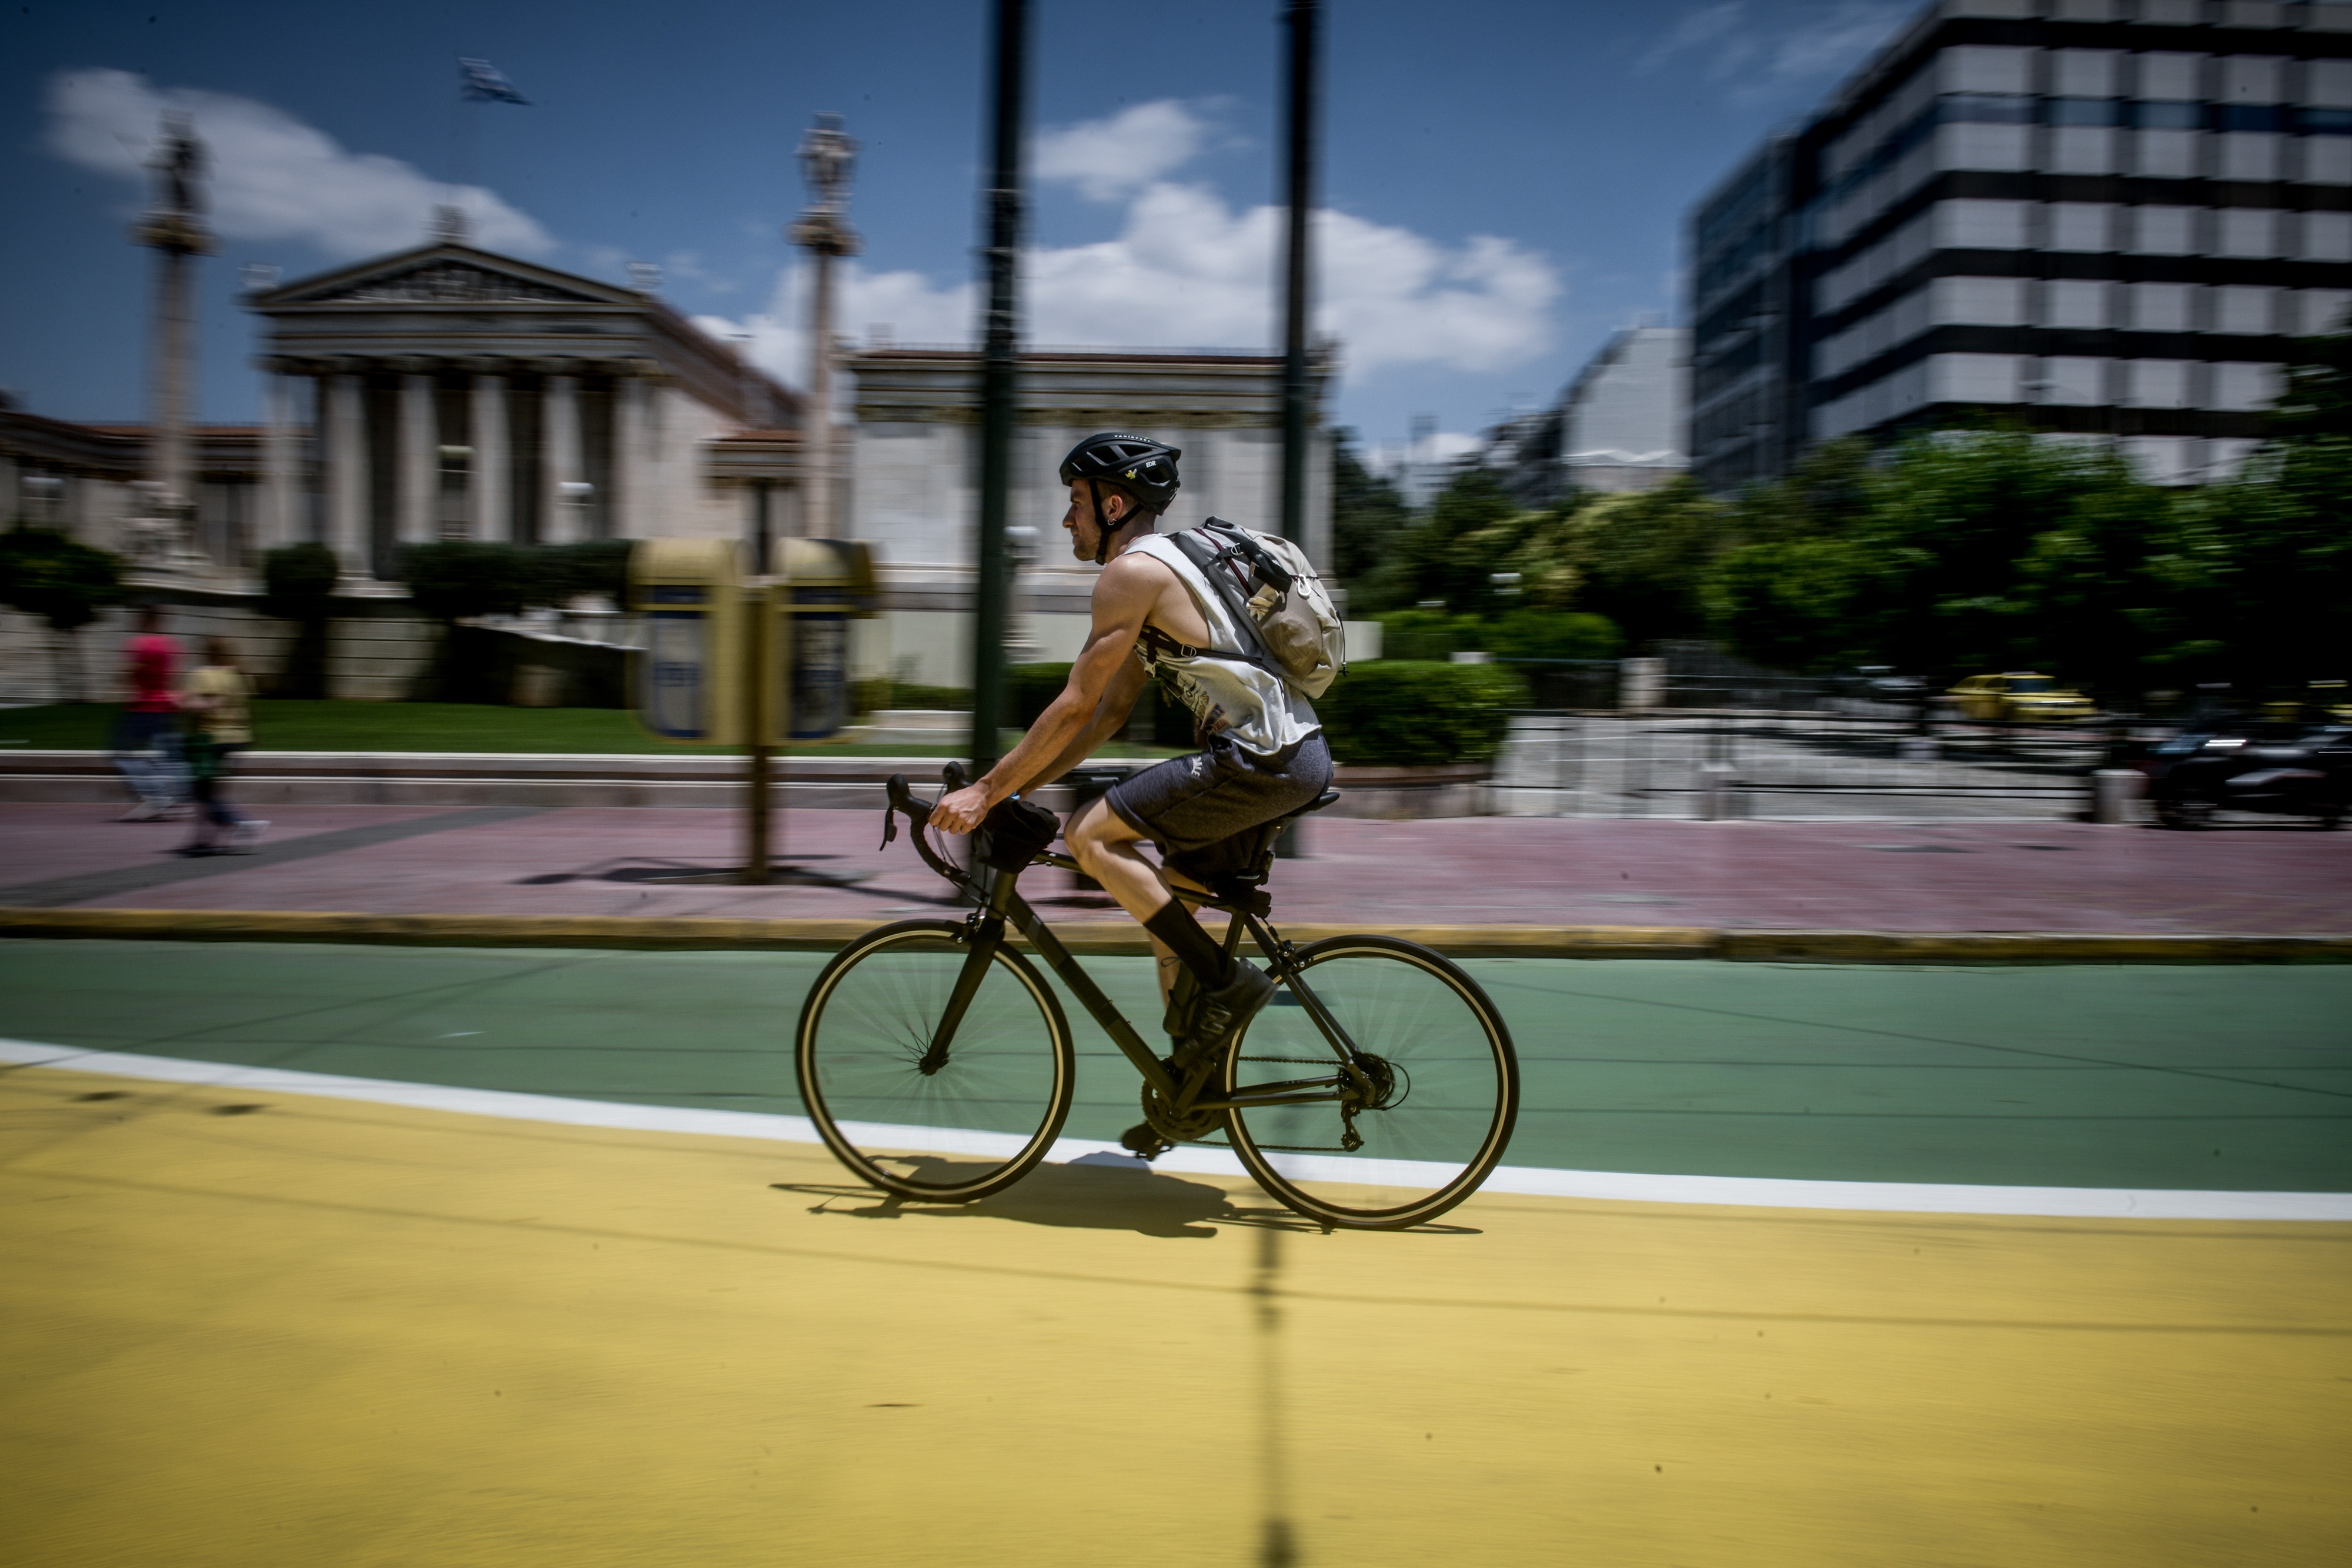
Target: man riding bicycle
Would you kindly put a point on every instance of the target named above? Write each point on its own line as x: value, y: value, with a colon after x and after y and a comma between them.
x: 1262, y: 754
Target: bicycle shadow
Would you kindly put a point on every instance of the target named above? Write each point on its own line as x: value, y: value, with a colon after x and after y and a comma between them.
x: 1069, y: 1196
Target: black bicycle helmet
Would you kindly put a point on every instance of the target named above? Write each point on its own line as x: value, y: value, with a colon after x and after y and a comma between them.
x: 1144, y: 468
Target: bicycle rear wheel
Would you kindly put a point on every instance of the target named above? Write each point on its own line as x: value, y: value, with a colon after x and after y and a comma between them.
x: 1447, y: 1087
x: 946, y: 1129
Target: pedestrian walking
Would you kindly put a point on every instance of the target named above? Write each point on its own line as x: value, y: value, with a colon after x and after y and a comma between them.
x: 147, y: 734
x: 218, y: 700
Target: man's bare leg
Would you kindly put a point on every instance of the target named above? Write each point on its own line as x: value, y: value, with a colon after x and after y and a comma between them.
x: 1106, y: 847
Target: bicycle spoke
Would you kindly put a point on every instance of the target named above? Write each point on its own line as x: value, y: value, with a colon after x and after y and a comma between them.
x: 1445, y: 1088
x: 922, y: 1122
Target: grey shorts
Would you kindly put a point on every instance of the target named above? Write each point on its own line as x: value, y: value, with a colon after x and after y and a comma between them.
x: 1201, y: 810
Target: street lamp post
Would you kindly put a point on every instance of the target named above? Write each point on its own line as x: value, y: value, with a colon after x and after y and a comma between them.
x: 827, y: 156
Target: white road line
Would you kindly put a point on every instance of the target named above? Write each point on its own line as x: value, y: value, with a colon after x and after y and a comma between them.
x: 1616, y: 1186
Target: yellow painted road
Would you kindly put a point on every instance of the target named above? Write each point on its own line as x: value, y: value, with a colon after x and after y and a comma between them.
x: 328, y: 1332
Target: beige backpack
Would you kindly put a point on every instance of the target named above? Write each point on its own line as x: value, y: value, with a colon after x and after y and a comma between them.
x: 1272, y: 588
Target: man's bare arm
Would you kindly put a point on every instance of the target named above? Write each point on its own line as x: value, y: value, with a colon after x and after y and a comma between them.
x: 1123, y: 596
x: 1111, y: 716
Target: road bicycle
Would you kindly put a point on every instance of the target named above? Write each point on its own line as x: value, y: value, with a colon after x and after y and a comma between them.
x: 1376, y: 1090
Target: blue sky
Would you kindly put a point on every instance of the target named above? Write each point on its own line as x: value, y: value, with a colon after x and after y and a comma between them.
x: 1505, y: 182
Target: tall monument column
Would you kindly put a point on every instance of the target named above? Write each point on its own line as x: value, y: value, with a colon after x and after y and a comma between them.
x: 173, y: 228
x: 486, y: 475
x: 827, y: 156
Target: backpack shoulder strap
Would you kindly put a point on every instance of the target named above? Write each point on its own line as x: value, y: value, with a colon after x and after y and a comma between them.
x: 1208, y: 558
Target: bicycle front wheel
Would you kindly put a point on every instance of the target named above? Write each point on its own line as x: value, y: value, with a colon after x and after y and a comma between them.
x: 1445, y: 1082
x: 945, y: 1126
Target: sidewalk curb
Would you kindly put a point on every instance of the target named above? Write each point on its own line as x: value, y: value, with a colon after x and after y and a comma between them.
x: 1113, y: 938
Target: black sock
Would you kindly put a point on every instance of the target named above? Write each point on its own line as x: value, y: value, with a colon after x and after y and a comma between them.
x: 1175, y: 926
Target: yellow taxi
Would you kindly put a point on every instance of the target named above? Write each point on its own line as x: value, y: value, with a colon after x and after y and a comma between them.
x: 2019, y: 696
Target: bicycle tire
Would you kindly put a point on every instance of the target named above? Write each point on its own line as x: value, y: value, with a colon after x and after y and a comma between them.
x: 965, y: 1129
x: 1455, y: 1077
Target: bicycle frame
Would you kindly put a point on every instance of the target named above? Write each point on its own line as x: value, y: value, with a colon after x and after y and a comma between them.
x: 1000, y: 901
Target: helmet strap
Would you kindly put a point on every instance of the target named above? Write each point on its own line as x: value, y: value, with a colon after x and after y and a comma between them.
x: 1102, y: 524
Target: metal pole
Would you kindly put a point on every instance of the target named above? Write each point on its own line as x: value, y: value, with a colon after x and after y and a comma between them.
x: 1298, y: 197
x: 759, y: 860
x: 1298, y: 392
x: 992, y: 591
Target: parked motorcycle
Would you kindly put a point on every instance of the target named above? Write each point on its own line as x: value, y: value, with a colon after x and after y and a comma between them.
x: 2230, y: 763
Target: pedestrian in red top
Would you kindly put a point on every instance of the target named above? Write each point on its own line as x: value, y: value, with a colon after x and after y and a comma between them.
x: 147, y: 736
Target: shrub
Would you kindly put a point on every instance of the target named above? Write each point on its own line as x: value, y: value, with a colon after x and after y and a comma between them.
x: 558, y: 574
x: 456, y: 579
x: 64, y: 581
x: 46, y: 574
x: 1427, y: 633
x: 1401, y: 713
x: 299, y: 585
x: 1551, y: 634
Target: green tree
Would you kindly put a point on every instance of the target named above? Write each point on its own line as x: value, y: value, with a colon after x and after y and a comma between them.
x: 65, y: 583
x: 299, y: 585
x: 1368, y: 513
x: 1644, y: 558
x: 1448, y: 560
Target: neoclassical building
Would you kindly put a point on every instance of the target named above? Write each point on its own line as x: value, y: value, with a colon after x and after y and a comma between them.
x: 448, y: 392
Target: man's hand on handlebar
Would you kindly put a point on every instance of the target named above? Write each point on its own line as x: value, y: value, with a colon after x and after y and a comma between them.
x: 962, y: 810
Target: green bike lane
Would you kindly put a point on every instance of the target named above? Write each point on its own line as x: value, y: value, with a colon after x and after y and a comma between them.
x: 2217, y: 1079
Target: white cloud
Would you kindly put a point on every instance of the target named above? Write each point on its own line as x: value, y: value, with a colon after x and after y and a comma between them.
x: 272, y: 176
x: 1107, y: 159
x: 1188, y: 271
x: 1793, y: 47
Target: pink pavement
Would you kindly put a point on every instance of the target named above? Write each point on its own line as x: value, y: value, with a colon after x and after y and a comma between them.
x: 2261, y: 879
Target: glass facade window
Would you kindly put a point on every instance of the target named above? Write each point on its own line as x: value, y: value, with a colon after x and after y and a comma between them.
x: 1989, y: 109
x: 2169, y: 116
x: 2326, y: 121
x: 2084, y: 112
x: 2249, y: 117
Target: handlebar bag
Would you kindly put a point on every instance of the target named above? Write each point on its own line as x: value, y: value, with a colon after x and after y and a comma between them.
x: 1015, y: 830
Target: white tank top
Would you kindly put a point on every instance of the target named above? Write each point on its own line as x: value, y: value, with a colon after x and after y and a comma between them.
x: 1251, y: 704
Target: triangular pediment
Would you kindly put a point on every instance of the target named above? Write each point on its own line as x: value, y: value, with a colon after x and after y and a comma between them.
x: 447, y: 275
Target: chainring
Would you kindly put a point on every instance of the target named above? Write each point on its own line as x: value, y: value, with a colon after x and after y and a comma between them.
x: 1189, y: 1127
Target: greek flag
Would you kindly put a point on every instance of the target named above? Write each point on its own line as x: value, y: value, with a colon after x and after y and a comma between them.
x: 479, y: 81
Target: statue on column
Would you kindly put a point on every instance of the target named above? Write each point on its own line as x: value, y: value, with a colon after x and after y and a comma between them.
x: 160, y: 533
x: 179, y: 165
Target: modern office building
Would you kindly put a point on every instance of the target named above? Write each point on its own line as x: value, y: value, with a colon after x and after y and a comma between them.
x: 2107, y: 218
x: 1620, y: 425
x: 1624, y: 419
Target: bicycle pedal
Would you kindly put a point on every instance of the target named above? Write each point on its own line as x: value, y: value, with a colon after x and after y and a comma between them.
x: 1144, y: 1142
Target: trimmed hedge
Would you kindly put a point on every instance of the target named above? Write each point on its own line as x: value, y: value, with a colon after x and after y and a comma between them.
x: 1515, y: 634
x: 1409, y: 713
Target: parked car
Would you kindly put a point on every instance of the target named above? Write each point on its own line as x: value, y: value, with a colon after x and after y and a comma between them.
x: 2019, y: 696
x: 2237, y: 764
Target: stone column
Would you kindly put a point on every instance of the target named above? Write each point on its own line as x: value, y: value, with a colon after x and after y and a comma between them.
x: 633, y: 504
x: 560, y: 449
x: 486, y: 476
x: 344, y: 413
x: 280, y: 522
x: 420, y: 461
